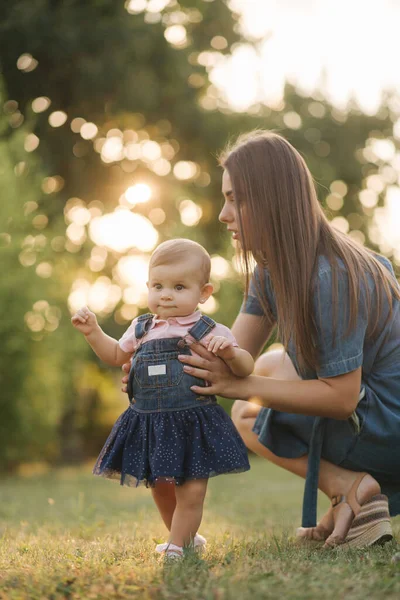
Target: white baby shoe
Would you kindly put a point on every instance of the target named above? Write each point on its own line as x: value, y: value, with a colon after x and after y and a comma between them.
x: 172, y: 552
x: 199, y: 543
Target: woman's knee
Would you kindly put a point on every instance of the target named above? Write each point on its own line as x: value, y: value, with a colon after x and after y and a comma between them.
x: 244, y: 415
x: 242, y: 410
x: 277, y: 364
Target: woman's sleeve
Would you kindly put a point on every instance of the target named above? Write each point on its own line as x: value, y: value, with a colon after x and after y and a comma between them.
x: 338, y: 353
x: 252, y: 305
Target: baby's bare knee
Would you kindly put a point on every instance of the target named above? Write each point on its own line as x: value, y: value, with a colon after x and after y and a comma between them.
x: 191, y: 494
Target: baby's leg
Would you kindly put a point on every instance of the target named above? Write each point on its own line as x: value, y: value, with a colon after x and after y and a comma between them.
x: 165, y: 500
x: 188, y: 512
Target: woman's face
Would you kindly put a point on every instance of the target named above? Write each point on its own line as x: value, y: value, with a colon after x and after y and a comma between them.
x: 228, y: 214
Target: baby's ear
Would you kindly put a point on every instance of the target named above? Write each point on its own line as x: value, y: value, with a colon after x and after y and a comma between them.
x: 147, y: 283
x: 206, y: 292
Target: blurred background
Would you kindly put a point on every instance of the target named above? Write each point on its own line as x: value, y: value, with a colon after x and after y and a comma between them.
x: 112, y: 115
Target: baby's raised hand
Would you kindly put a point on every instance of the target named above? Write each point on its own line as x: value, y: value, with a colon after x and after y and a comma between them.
x: 221, y: 346
x: 84, y: 320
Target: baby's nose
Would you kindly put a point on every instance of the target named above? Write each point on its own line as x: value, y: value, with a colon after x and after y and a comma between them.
x: 166, y: 294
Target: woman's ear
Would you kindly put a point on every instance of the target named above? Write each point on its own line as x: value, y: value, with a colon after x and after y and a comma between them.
x: 206, y: 292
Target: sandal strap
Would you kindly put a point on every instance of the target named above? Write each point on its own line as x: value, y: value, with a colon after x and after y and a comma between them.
x: 335, y: 500
x: 351, y: 499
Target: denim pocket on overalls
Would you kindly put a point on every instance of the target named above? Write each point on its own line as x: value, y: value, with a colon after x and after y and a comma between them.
x: 163, y: 371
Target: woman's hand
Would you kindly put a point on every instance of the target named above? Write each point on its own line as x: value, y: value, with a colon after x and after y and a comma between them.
x: 126, y: 368
x: 214, y: 370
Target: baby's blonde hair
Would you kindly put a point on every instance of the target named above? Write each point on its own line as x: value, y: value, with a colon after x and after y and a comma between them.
x: 174, y: 251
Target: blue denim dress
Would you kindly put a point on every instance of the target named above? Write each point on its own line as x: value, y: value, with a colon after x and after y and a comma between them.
x: 168, y: 432
x: 370, y: 439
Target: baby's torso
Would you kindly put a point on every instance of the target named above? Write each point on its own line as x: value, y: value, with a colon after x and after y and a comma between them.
x: 157, y: 381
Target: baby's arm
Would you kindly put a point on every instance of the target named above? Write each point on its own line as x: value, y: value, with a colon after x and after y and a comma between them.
x: 104, y: 346
x: 239, y: 361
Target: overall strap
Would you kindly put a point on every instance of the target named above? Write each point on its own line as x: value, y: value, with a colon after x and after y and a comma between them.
x: 309, y: 518
x: 143, y: 325
x: 202, y: 327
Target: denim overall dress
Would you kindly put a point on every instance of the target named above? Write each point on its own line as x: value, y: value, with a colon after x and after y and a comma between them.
x: 169, y: 432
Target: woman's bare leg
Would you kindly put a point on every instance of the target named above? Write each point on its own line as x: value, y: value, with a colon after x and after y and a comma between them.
x: 333, y: 480
x: 188, y: 512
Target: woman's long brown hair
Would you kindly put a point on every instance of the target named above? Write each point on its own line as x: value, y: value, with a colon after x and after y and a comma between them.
x: 283, y: 226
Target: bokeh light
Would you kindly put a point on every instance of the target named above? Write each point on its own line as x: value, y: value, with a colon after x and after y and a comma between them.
x: 220, y: 267
x: 112, y: 149
x: 31, y: 142
x: 40, y: 104
x: 190, y: 213
x: 176, y: 35
x: 57, y: 118
x: 385, y: 227
x: 138, y: 193
x: 88, y: 131
x: 122, y: 230
x: 26, y: 63
x: 185, y: 170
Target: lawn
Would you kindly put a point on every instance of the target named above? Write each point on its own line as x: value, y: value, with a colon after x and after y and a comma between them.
x: 67, y: 534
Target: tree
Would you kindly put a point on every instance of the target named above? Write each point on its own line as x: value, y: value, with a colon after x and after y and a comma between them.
x: 118, y: 95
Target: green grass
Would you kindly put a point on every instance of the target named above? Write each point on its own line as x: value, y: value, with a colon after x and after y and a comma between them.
x: 67, y: 534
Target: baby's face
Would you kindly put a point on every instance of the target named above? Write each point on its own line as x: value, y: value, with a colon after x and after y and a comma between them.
x: 175, y: 290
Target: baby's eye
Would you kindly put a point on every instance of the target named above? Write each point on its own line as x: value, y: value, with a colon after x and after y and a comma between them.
x: 158, y: 286
x: 179, y: 287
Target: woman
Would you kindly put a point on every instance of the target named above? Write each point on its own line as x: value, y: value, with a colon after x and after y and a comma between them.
x: 334, y: 394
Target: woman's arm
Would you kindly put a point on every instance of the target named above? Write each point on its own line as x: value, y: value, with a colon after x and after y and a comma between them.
x: 252, y: 332
x: 334, y: 397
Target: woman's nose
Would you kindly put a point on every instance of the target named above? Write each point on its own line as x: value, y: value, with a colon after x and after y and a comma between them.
x: 225, y: 215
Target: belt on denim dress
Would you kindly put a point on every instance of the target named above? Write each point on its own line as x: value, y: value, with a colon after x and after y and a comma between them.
x: 309, y: 516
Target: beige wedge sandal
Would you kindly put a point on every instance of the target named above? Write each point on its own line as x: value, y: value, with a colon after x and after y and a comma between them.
x: 370, y: 523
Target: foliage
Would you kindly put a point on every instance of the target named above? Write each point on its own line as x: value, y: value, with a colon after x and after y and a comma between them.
x: 98, y: 64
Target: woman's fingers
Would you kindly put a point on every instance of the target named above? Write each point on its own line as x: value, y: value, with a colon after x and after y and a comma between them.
x: 195, y: 361
x: 204, y: 391
x: 126, y: 367
x: 200, y: 373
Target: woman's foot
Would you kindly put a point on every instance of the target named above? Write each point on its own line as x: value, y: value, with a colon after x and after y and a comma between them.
x: 319, y: 533
x: 345, y: 508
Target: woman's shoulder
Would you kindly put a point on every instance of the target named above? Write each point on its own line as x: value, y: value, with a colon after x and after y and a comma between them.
x: 325, y: 278
x: 324, y: 266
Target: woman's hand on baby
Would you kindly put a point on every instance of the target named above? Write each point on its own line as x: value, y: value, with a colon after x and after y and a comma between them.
x: 84, y: 320
x: 205, y: 365
x: 126, y: 367
x: 221, y: 346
